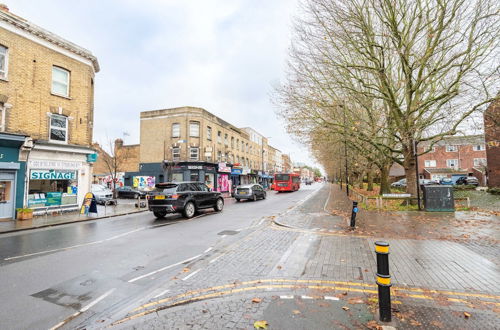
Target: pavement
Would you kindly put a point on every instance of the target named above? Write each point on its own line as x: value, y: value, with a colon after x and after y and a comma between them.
x: 304, y: 268
x: 122, y: 207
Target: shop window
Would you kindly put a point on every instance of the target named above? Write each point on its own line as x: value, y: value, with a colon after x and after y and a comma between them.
x: 5, y: 190
x: 177, y: 177
x: 176, y: 130
x: 4, y: 61
x: 209, y: 133
x: 209, y: 180
x: 194, y: 129
x: 58, y: 128
x: 60, y: 81
x: 194, y: 153
x: 52, y: 188
x: 176, y: 153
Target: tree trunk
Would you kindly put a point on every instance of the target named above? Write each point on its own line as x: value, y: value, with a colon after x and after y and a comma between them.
x: 360, y: 183
x: 369, y: 178
x: 410, y: 171
x: 385, y: 188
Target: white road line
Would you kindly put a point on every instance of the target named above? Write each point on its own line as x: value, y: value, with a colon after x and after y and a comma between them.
x: 328, y: 199
x: 76, y: 246
x: 84, y: 309
x: 306, y: 297
x: 161, y: 294
x: 162, y: 269
x: 223, y: 236
x: 215, y: 259
x: 331, y: 298
x: 208, y: 250
x: 191, y: 275
x: 286, y: 297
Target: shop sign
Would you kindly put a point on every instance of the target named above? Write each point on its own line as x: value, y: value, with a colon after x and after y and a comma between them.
x: 237, y: 171
x: 92, y: 158
x: 55, y: 164
x: 245, y: 171
x: 195, y: 167
x: 53, y: 198
x: 51, y: 175
x: 224, y: 168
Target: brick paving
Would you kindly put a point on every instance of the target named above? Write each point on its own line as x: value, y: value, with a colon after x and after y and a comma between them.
x: 308, y: 266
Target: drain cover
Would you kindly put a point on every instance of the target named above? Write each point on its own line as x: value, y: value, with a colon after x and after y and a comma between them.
x: 228, y: 232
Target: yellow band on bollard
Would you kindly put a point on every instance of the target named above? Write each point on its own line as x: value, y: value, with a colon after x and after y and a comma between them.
x: 384, y: 280
x: 381, y: 249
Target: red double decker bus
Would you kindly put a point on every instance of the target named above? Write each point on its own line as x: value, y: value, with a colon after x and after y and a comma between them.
x: 286, y: 182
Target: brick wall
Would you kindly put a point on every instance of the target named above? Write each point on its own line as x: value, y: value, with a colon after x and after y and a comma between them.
x: 28, y: 88
x: 492, y: 137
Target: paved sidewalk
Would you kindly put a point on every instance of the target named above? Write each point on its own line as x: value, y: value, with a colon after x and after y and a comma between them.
x: 306, y: 270
x: 123, y: 207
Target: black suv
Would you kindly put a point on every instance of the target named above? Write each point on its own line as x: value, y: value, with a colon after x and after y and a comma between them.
x: 183, y: 197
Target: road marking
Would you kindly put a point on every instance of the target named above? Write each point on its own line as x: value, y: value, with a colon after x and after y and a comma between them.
x: 306, y: 297
x: 286, y: 297
x: 191, y: 275
x: 82, y: 310
x: 215, y: 259
x: 208, y: 250
x: 161, y: 294
x: 223, y: 236
x: 162, y: 269
x: 327, y: 199
x: 331, y: 298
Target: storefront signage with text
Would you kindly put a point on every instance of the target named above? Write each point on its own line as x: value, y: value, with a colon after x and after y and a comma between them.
x: 51, y: 175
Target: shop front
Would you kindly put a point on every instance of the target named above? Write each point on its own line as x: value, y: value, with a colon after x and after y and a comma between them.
x: 223, y: 178
x: 12, y: 173
x: 58, y: 177
x: 236, y: 172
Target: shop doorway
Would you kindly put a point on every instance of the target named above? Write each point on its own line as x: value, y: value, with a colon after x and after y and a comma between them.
x: 6, y: 198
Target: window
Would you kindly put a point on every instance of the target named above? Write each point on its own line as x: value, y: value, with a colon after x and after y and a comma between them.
x: 246, y: 147
x: 226, y: 142
x: 194, y: 129
x: 431, y: 149
x: 478, y: 162
x: 209, y: 133
x: 479, y: 147
x: 430, y: 163
x: 176, y: 153
x: 242, y: 146
x: 219, y: 156
x: 450, y: 148
x: 60, y: 81
x: 4, y: 61
x: 176, y: 130
x: 226, y: 157
x: 194, y: 153
x: 219, y: 137
x: 238, y: 144
x: 58, y: 128
x: 232, y: 142
x: 452, y: 163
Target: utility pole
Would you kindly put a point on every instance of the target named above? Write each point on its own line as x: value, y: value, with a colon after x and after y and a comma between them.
x: 345, y: 152
x: 415, y: 154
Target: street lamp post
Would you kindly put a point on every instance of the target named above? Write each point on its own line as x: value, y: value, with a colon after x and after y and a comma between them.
x: 415, y: 154
x: 345, y: 153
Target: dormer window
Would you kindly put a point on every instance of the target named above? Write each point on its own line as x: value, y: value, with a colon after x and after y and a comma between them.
x: 58, y: 128
x: 60, y: 81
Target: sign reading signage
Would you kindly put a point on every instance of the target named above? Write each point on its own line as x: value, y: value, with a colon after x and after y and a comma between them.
x: 51, y: 175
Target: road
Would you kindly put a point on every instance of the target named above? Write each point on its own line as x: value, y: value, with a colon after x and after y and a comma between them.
x: 57, y: 274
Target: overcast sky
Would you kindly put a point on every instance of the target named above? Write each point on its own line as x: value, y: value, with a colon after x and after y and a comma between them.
x: 221, y: 55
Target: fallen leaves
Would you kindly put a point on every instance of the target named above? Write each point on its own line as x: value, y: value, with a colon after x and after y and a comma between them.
x: 373, y: 325
x: 295, y: 312
x: 345, y: 308
x: 256, y: 300
x: 186, y: 270
x: 467, y: 315
x: 354, y: 301
x: 260, y: 324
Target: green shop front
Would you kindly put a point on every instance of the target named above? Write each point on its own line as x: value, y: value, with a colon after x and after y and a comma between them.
x: 12, y: 174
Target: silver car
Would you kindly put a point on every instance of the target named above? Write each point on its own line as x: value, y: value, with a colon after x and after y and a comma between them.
x: 102, y: 194
x: 249, y: 191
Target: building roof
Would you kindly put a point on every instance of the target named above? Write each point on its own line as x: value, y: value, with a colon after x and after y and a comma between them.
x: 456, y: 140
x: 446, y: 170
x: 35, y: 30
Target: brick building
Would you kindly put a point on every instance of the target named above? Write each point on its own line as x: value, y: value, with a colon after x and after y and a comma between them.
x: 452, y: 157
x: 492, y: 137
x: 47, y: 96
x: 190, y: 143
x: 286, y: 163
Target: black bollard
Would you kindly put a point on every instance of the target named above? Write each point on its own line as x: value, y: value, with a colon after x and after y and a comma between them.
x: 353, y: 214
x: 383, y: 281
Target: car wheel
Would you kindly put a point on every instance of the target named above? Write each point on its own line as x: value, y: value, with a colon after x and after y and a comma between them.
x: 237, y: 200
x: 189, y: 210
x: 219, y: 205
x: 160, y: 214
x: 254, y: 197
x: 136, y: 196
x: 264, y: 196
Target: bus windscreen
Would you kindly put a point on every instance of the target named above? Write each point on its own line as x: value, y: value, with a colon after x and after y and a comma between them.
x: 282, y: 177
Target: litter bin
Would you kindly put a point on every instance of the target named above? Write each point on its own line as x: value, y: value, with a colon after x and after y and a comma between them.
x: 438, y: 198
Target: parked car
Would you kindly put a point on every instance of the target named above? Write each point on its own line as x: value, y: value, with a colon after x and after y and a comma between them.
x: 309, y: 181
x: 468, y: 180
x: 401, y: 183
x: 129, y: 192
x: 183, y: 197
x: 446, y: 181
x: 250, y: 191
x: 102, y: 194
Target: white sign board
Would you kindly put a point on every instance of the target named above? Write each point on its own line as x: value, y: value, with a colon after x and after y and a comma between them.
x: 396, y: 195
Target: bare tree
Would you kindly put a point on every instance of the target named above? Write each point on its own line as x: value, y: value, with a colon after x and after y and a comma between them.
x: 115, y: 160
x: 411, y: 70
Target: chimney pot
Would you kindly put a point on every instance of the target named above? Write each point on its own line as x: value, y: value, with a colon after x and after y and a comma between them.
x: 3, y: 7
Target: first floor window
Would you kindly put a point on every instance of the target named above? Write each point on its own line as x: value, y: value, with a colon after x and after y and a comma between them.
x: 219, y: 137
x: 451, y: 148
x: 479, y: 162
x: 176, y: 130
x: 430, y: 163
x: 452, y: 163
x: 176, y: 153
x: 479, y: 147
x: 60, y: 81
x: 4, y: 57
x: 209, y: 133
x: 194, y: 129
x: 219, y: 156
x: 194, y: 153
x: 58, y: 128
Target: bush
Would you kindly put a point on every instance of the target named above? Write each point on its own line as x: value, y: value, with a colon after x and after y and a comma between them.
x: 494, y: 191
x: 464, y: 187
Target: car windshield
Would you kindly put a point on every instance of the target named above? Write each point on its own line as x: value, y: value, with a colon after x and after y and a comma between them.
x: 97, y: 188
x: 282, y: 177
x: 166, y: 188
